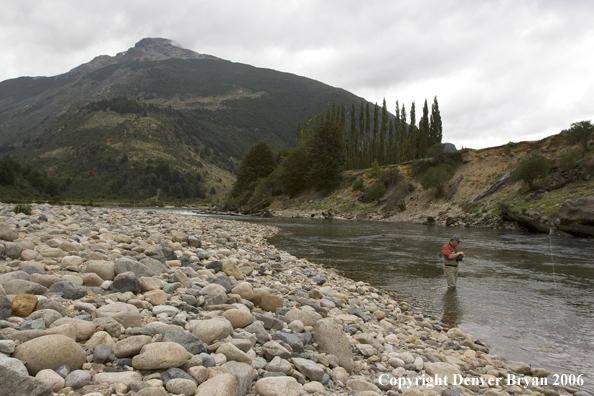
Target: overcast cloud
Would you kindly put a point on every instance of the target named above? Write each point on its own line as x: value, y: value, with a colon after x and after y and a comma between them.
x: 501, y: 70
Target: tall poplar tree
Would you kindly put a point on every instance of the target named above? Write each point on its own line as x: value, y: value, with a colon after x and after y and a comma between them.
x: 353, y: 141
x: 413, y: 134
x: 435, y: 127
x: 383, y: 135
x: 405, y: 151
x: 424, y: 135
x: 361, y: 136
x: 367, y: 161
x: 326, y: 156
x: 374, y: 144
x: 397, y: 136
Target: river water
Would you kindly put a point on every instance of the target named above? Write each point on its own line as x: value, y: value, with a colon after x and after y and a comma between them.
x: 530, y: 297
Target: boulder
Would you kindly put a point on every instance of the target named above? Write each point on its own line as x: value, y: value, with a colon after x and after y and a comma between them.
x: 5, y: 308
x: 131, y: 346
x: 160, y: 355
x: 330, y: 338
x: 212, y: 329
x: 51, y: 379
x: 126, y: 314
x: 190, y: 342
x: 274, y: 386
x: 8, y: 232
x: 14, y: 383
x: 50, y: 352
x: 21, y: 286
x: 105, y: 269
x: 578, y: 210
x: 308, y: 318
x: 221, y: 385
x: 243, y: 374
x: 69, y: 290
x: 24, y: 304
x: 239, y: 317
x: 84, y: 328
x: 125, y: 264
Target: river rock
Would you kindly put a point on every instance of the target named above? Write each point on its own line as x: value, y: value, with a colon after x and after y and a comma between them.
x: 308, y: 318
x: 126, y: 314
x: 24, y: 304
x: 244, y: 289
x: 8, y: 233
x: 360, y: 383
x: 156, y: 297
x: 77, y: 379
x: 105, y: 269
x: 221, y: 385
x: 239, y: 318
x: 442, y: 370
x: 243, y: 374
x: 126, y: 284
x: 69, y: 290
x: 50, y: 352
x: 13, y: 364
x: 190, y: 342
x: 13, y: 250
x: 309, y: 368
x: 51, y: 379
x: 272, y: 349
x: 131, y: 346
x: 212, y: 329
x: 125, y: 264
x: 100, y: 337
x: 181, y: 386
x: 20, y: 286
x: 331, y: 338
x: 84, y: 328
x: 5, y: 308
x: 126, y: 378
x: 518, y: 367
x: 154, y: 266
x: 274, y: 386
x: 231, y: 352
x: 14, y: 383
x: 160, y: 355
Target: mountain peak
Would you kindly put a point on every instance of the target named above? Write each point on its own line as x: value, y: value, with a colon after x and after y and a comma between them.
x: 147, y: 49
x: 152, y: 49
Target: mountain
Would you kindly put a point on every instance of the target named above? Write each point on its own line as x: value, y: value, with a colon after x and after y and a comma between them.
x: 153, y: 105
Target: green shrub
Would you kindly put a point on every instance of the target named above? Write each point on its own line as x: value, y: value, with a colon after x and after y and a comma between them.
x: 358, y: 185
x: 531, y: 168
x: 375, y: 170
x: 389, y: 177
x: 22, y: 208
x: 436, y: 177
x: 580, y: 133
x: 374, y: 192
x: 566, y: 162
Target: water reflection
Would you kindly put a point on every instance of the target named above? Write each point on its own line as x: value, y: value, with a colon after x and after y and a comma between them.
x: 452, y: 311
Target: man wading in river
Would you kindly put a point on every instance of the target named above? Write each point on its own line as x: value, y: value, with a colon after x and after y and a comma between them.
x: 451, y: 259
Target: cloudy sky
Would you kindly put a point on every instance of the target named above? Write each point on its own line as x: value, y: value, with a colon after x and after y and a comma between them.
x: 501, y: 70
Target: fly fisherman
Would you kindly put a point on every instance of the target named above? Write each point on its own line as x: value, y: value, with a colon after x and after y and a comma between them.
x: 451, y: 260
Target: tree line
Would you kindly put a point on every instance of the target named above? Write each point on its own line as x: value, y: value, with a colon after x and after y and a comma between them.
x: 381, y: 138
x: 327, y: 144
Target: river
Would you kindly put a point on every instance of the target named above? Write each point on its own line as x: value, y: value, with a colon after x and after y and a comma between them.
x: 529, y: 296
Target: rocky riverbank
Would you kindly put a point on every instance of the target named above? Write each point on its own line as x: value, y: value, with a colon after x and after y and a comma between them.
x: 133, y: 302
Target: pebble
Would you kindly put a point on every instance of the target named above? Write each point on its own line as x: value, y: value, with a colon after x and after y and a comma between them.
x: 110, y: 301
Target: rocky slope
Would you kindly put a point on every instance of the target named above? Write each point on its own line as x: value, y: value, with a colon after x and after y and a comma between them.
x: 129, y: 302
